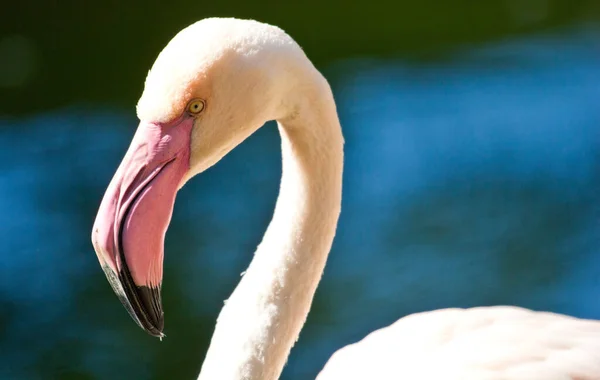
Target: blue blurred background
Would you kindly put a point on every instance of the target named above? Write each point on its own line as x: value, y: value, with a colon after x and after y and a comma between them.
x: 472, y: 174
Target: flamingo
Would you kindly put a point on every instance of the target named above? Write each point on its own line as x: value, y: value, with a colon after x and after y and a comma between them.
x: 214, y: 84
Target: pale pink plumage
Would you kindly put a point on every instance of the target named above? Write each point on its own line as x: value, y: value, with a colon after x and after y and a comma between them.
x: 485, y: 343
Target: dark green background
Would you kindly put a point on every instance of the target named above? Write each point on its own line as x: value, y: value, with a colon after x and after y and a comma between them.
x: 100, y: 51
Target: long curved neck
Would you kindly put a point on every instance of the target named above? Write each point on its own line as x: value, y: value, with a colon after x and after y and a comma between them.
x: 262, y: 319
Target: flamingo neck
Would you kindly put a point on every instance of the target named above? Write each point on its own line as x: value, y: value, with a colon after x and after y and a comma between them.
x: 262, y: 319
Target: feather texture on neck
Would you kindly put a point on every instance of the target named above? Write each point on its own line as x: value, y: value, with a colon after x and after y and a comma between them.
x: 263, y: 317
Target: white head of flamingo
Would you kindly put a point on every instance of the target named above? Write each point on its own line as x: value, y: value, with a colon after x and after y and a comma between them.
x: 212, y: 86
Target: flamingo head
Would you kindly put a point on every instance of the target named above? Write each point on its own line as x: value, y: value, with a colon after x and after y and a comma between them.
x: 210, y: 88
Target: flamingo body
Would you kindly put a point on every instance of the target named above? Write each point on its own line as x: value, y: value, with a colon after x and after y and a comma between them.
x: 484, y: 343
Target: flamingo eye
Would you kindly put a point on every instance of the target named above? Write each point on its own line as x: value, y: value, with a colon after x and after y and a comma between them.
x: 196, y: 106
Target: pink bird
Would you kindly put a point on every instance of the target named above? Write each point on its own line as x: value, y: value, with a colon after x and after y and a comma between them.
x: 215, y: 84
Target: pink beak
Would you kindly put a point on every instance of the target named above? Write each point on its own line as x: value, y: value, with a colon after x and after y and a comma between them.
x: 130, y: 227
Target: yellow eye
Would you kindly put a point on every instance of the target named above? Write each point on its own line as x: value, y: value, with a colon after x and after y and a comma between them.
x: 196, y: 106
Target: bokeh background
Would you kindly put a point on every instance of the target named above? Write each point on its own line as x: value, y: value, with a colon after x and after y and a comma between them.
x: 472, y: 174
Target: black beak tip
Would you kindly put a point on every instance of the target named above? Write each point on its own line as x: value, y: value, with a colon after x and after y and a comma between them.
x: 143, y: 303
x: 153, y: 315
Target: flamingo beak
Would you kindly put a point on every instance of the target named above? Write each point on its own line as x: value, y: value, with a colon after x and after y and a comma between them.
x: 134, y: 215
